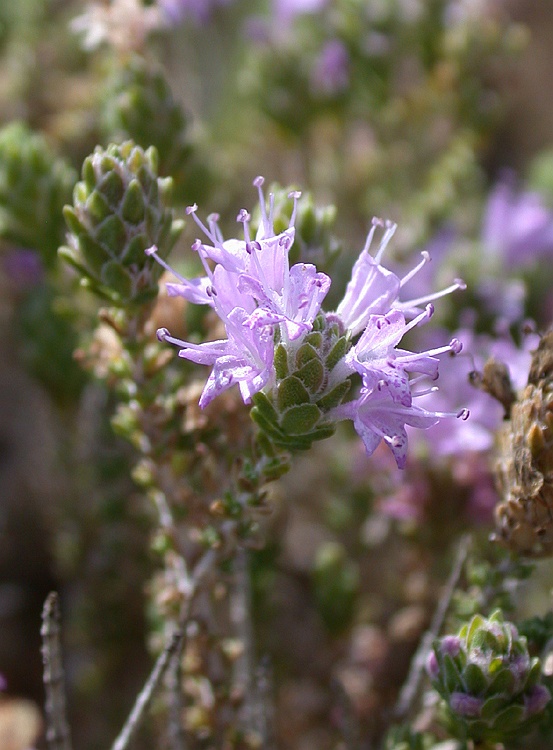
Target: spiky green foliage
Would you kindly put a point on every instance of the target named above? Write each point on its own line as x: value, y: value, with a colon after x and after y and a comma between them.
x: 34, y: 186
x: 119, y: 210
x: 491, y: 686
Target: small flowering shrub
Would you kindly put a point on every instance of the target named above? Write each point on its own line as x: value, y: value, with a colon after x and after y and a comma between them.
x: 291, y: 461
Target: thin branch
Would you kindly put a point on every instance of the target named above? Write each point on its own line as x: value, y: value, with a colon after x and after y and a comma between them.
x: 172, y: 650
x: 175, y: 730
x: 410, y: 689
x: 145, y: 696
x: 58, y: 735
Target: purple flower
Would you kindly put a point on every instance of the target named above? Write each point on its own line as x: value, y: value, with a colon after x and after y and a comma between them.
x: 331, y: 73
x: 465, y: 705
x: 517, y: 227
x: 376, y: 416
x: 376, y: 358
x: 374, y: 290
x: 200, y: 11
x: 285, y: 11
x: 253, y: 290
x: 244, y: 358
x: 23, y: 267
x: 536, y: 700
x: 261, y: 300
x: 457, y: 391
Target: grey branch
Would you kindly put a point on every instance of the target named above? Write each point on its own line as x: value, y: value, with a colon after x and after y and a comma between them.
x: 409, y: 691
x: 172, y: 651
x: 145, y: 696
x: 58, y: 736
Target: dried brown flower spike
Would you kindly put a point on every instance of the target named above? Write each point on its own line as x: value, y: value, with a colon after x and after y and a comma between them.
x: 524, y: 471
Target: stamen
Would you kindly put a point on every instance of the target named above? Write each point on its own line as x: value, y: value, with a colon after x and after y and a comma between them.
x: 432, y: 389
x: 388, y: 234
x: 414, y: 271
x: 243, y: 218
x: 295, y: 195
x: 152, y: 252
x: 191, y: 211
x: 464, y: 414
x: 409, y: 304
x: 265, y: 220
x: 456, y: 346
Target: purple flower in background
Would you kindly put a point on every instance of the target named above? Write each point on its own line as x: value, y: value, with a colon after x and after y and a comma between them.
x: 331, y: 73
x: 285, y: 11
x: 517, y: 227
x: 23, y: 267
x: 176, y: 11
x: 456, y: 390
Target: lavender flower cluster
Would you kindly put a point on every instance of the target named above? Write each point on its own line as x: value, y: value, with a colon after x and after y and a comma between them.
x: 256, y: 294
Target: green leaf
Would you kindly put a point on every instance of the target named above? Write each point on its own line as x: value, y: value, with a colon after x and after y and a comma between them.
x: 311, y: 375
x: 281, y: 362
x: 299, y: 420
x: 474, y: 678
x: 334, y: 397
x: 112, y: 187
x: 338, y: 351
x: 133, y: 208
x: 115, y: 277
x: 305, y: 353
x: 291, y: 392
x: 265, y: 407
x: 111, y: 233
x: 509, y: 719
x: 492, y: 706
x: 503, y: 682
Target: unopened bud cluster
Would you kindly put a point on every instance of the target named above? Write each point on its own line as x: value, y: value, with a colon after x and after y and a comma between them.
x: 490, y: 684
x: 119, y: 210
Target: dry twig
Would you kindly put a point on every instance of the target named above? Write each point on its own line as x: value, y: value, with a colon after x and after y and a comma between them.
x: 58, y: 736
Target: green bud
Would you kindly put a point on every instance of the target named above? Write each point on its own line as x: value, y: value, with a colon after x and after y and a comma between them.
x: 490, y: 684
x: 119, y: 210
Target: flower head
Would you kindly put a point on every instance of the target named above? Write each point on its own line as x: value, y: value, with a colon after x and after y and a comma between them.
x: 303, y: 360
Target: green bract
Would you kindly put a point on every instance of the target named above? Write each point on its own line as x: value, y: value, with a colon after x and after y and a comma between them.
x: 34, y: 186
x: 490, y: 684
x: 119, y: 210
x: 292, y: 413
